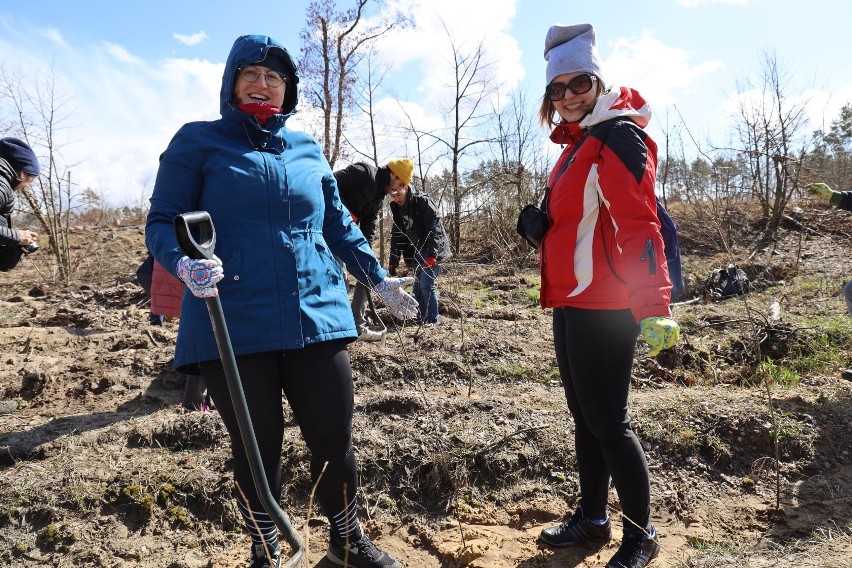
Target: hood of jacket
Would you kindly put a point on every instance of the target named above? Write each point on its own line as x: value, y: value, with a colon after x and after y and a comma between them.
x: 250, y: 49
x: 618, y: 102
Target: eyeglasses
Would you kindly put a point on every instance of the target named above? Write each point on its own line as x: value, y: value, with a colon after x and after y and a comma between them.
x: 579, y: 85
x: 252, y: 74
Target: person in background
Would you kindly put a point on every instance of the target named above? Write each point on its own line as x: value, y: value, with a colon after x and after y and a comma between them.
x: 604, y: 274
x: 165, y: 293
x: 279, y: 223
x: 362, y: 190
x: 166, y: 296
x: 419, y: 239
x: 841, y: 200
x: 19, y: 168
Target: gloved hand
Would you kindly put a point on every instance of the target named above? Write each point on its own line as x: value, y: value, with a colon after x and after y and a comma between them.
x: 430, y: 261
x: 392, y: 269
x: 659, y: 333
x: 200, y: 276
x: 399, y: 302
x: 821, y: 190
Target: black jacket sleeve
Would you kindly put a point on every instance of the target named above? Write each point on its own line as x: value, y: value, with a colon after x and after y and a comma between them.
x: 845, y: 200
x: 8, y: 235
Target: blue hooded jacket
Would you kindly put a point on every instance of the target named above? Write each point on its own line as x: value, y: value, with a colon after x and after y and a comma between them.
x: 279, y: 223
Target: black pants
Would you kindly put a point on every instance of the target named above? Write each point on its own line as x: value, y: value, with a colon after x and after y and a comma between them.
x: 594, y: 351
x: 317, y: 382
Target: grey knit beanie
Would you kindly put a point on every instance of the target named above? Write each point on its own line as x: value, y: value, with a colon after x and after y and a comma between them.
x: 571, y: 49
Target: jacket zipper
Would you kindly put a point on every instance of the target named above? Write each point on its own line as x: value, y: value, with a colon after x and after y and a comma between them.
x: 649, y: 254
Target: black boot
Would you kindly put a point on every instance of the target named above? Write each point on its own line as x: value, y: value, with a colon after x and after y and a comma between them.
x: 260, y: 559
x: 360, y: 552
x: 636, y: 551
x: 575, y: 530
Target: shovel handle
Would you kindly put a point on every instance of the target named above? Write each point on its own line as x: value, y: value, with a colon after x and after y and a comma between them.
x: 187, y: 225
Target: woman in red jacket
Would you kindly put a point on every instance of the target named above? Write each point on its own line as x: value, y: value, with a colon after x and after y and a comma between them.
x: 604, y: 273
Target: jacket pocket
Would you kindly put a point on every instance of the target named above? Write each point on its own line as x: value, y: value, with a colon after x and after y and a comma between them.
x: 650, y: 255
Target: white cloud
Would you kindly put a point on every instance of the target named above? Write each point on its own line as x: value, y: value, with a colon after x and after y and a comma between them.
x: 123, y: 110
x: 426, y: 51
x: 121, y: 55
x: 52, y: 35
x: 191, y: 40
x: 658, y: 71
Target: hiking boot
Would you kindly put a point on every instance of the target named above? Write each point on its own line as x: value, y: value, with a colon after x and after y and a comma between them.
x: 576, y: 530
x: 360, y: 553
x: 846, y: 374
x: 636, y: 551
x: 368, y: 334
x: 259, y: 559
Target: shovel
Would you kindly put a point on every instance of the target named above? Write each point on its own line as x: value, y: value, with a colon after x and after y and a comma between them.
x: 203, y: 225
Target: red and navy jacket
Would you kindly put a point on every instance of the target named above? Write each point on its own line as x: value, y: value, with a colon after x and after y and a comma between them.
x: 604, y: 250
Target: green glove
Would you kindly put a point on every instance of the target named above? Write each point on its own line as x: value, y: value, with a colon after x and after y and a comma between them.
x: 820, y: 189
x: 659, y: 333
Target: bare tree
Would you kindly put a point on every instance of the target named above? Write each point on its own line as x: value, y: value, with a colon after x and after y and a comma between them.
x: 333, y: 44
x: 771, y: 131
x: 467, y: 116
x: 516, y: 175
x: 370, y: 79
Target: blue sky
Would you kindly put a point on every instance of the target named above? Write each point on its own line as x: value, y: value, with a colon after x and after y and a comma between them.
x: 136, y: 71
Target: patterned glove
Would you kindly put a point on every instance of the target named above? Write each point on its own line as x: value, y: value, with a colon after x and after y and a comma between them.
x: 821, y: 190
x: 659, y: 333
x: 399, y: 302
x: 200, y: 276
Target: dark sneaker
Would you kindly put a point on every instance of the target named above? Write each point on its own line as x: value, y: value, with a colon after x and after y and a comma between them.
x: 636, y: 551
x: 360, y: 553
x: 846, y: 374
x: 576, y: 530
x: 259, y: 558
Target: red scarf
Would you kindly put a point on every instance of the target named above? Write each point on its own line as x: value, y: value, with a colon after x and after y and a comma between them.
x: 261, y: 111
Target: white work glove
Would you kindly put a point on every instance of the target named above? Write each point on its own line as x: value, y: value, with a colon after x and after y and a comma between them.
x: 200, y: 276
x: 659, y: 333
x: 401, y: 304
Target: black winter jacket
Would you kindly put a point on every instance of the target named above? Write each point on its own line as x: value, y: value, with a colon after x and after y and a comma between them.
x: 362, y: 191
x: 417, y: 231
x: 8, y: 180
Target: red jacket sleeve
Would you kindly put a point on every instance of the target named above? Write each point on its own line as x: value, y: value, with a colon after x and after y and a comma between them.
x: 627, y: 175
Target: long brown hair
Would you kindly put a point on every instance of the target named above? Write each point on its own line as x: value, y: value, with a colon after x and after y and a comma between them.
x: 547, y: 110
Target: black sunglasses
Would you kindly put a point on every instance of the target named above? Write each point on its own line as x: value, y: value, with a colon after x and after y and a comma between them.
x: 579, y: 85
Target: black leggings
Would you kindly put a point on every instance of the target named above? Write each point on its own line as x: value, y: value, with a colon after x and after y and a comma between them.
x: 594, y: 351
x: 317, y: 382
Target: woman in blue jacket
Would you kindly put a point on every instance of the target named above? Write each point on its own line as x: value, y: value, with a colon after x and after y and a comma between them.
x: 279, y: 222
